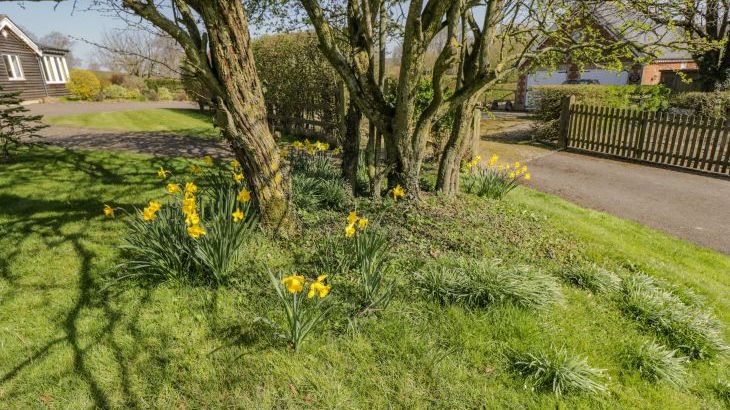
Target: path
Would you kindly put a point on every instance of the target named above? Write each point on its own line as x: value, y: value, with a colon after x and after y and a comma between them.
x: 689, y: 206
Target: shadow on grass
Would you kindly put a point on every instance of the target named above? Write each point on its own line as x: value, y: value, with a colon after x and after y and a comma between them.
x: 50, y: 219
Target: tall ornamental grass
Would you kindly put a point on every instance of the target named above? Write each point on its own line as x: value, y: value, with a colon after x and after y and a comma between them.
x: 692, y: 330
x: 483, y: 283
x: 558, y: 371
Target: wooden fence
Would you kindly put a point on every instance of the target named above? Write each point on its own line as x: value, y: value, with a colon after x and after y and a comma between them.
x: 678, y: 140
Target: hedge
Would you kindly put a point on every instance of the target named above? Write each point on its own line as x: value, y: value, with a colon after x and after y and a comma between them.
x: 83, y: 84
x: 713, y: 105
x: 549, y: 101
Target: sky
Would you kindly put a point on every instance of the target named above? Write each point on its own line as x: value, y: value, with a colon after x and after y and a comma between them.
x: 41, y: 19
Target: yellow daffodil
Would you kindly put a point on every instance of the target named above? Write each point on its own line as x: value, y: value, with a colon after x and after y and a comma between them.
x: 188, y: 206
x: 162, y: 173
x: 192, y: 219
x: 208, y: 160
x: 238, y: 215
x: 362, y: 223
x: 196, y: 231
x: 337, y: 151
x: 493, y: 159
x: 284, y: 152
x: 235, y: 164
x: 318, y: 288
x: 244, y: 196
x: 293, y: 283
x: 149, y: 215
x: 191, y: 188
x: 150, y: 212
x: 517, y: 165
x: 321, y: 146
x: 528, y: 176
x: 173, y: 188
x: 108, y: 211
x: 297, y: 145
x: 195, y: 170
x: 352, y: 217
x: 512, y: 175
x: 398, y: 192
x: 238, y: 177
x: 350, y: 231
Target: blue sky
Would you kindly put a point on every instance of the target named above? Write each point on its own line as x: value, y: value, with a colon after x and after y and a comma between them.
x: 41, y: 19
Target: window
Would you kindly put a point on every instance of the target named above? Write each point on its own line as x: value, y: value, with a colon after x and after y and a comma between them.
x: 55, y: 69
x: 13, y: 67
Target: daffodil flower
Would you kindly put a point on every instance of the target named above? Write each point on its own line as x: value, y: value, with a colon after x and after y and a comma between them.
x: 238, y: 177
x: 191, y: 188
x: 173, y: 188
x: 208, y: 160
x: 162, y: 173
x: 318, y: 288
x: 235, y: 164
x: 244, y: 196
x: 196, y: 231
x: 398, y: 192
x: 108, y: 211
x: 238, y: 215
x: 293, y: 283
x: 350, y: 230
x: 352, y: 217
x: 362, y: 223
x: 195, y: 169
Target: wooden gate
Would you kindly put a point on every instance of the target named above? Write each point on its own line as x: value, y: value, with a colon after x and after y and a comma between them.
x: 686, y: 141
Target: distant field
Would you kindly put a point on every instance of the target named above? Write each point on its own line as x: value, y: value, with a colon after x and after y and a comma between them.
x: 165, y: 120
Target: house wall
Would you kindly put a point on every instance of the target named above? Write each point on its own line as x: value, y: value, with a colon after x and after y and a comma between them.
x: 652, y: 73
x: 32, y: 86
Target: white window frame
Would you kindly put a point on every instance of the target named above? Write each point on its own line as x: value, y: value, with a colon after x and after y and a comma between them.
x: 55, y: 69
x: 16, y: 67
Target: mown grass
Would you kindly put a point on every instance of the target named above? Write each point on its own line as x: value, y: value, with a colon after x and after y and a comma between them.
x: 67, y: 343
x: 183, y: 121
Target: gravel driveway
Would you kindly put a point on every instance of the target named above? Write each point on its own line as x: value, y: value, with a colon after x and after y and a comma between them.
x: 689, y: 206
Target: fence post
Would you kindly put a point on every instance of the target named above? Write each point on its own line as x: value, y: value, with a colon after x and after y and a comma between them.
x: 639, y: 147
x: 567, y: 102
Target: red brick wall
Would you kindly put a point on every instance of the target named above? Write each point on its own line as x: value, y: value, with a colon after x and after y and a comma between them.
x: 652, y: 72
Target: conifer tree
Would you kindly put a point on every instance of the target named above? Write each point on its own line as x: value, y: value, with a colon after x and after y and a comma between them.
x: 17, y: 127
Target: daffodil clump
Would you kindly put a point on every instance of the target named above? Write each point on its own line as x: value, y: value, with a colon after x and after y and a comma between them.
x: 310, y: 147
x: 355, y: 222
x: 197, y: 230
x: 494, y: 179
x: 303, y: 313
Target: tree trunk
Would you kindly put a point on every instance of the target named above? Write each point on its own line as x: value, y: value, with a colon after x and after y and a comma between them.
x: 460, y: 140
x: 241, y: 112
x: 351, y: 146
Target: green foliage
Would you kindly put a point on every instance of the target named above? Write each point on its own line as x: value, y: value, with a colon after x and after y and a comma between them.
x: 657, y: 363
x: 713, y: 105
x: 299, y: 83
x: 482, y: 283
x: 16, y: 126
x: 372, y: 251
x: 691, y: 329
x: 316, y: 182
x: 164, y: 94
x: 83, y: 84
x: 549, y: 99
x: 171, y: 84
x: 558, y: 371
x: 114, y: 92
x: 591, y: 277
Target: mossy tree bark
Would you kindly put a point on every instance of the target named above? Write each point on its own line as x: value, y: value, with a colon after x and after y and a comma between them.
x: 221, y: 57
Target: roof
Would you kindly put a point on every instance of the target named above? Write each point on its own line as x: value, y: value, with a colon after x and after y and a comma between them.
x: 6, y: 23
x: 665, y: 42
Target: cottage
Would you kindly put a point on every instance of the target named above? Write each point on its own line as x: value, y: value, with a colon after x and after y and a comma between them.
x: 35, y: 70
x: 669, y: 68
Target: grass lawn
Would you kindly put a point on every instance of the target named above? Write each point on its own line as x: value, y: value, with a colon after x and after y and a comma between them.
x: 162, y: 119
x: 71, y: 338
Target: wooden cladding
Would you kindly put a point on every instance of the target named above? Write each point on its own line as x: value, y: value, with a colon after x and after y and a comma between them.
x: 686, y: 141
